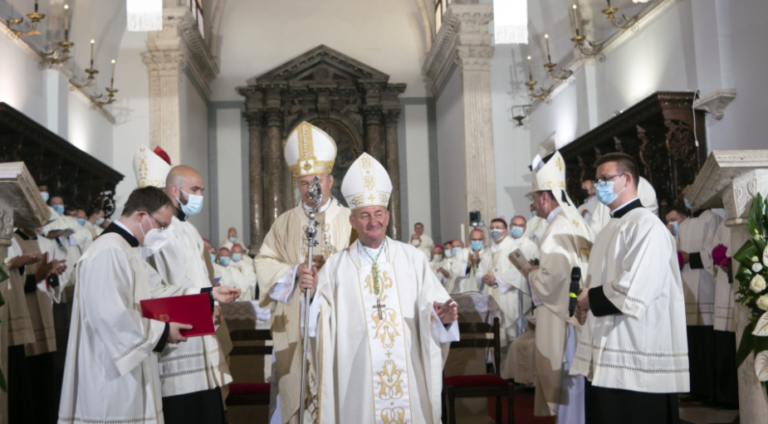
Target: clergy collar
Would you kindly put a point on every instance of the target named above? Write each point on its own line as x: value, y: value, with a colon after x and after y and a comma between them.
x: 626, y: 208
x: 322, y: 208
x: 181, y: 215
x: 121, y: 230
x: 24, y: 235
x: 553, y: 214
x: 698, y: 213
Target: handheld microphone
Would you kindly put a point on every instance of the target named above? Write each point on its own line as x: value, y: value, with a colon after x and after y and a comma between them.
x: 574, y: 291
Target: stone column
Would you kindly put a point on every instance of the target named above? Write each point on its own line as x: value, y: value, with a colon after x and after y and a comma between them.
x: 393, y: 167
x: 732, y: 179
x: 273, y: 167
x: 164, y: 68
x: 372, y: 117
x: 256, y: 182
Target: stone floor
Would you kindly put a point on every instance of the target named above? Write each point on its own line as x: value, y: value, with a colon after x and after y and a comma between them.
x: 697, y: 413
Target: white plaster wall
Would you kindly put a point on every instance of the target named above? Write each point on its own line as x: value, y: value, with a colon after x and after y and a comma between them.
x: 258, y: 36
x: 89, y: 130
x: 230, y: 171
x: 131, y: 111
x: 194, y: 145
x: 418, y: 166
x: 450, y: 153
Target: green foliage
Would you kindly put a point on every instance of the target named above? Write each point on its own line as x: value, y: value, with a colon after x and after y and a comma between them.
x: 747, y: 344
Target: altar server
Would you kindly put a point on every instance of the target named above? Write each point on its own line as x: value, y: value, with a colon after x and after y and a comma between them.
x: 385, y: 322
x: 633, y: 346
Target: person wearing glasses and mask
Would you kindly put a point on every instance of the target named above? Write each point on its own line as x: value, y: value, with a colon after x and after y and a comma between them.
x: 111, y: 368
x: 192, y: 374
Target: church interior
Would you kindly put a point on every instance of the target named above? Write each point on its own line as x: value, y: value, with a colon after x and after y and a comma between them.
x: 453, y: 97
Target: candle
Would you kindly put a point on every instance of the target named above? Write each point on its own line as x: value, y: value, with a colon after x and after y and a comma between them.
x: 530, y: 72
x: 66, y: 22
x: 36, y: 6
x: 93, y: 42
x: 549, y: 56
x: 609, y: 4
x: 576, y: 18
x: 112, y: 82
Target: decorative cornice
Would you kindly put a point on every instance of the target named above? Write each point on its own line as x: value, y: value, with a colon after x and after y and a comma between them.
x: 723, y: 168
x: 716, y: 102
x: 19, y: 188
x: 463, y: 39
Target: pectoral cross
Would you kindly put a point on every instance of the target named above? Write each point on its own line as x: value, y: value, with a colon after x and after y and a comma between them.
x: 379, y: 306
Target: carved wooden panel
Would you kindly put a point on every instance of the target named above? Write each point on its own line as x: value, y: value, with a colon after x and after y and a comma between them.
x: 82, y: 180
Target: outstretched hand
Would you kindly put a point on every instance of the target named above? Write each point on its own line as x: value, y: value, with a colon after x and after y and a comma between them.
x: 224, y: 294
x: 448, y: 312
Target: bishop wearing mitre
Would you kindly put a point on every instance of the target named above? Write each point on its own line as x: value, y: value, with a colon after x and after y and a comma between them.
x: 381, y: 320
x: 309, y: 152
x: 566, y: 244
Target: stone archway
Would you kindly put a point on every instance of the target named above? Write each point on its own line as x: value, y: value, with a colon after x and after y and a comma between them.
x: 330, y: 88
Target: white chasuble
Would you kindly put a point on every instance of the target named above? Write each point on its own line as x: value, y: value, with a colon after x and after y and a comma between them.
x: 696, y: 236
x: 198, y: 364
x: 379, y: 357
x: 111, y: 372
x: 644, y: 348
x: 535, y: 229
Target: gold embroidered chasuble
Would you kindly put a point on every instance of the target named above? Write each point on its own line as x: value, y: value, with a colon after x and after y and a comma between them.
x: 379, y: 357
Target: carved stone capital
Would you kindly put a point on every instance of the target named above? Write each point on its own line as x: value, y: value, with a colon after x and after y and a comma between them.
x: 254, y: 119
x: 273, y: 117
x: 716, y: 102
x: 474, y: 58
x: 372, y: 116
x: 393, y: 115
x: 163, y: 62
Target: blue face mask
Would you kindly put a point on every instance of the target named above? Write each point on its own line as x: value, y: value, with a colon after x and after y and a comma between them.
x: 224, y: 260
x: 456, y: 251
x: 689, y: 205
x: 45, y: 195
x: 477, y: 245
x: 448, y: 253
x: 605, y: 193
x: 533, y: 214
x: 233, y: 239
x: 99, y: 221
x: 517, y: 232
x: 194, y: 204
x: 59, y: 209
x: 213, y: 257
x: 237, y: 256
x: 81, y: 221
x: 675, y: 227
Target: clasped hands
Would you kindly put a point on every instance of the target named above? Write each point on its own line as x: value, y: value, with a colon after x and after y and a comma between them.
x: 489, y: 280
x: 582, y: 306
x: 45, y: 270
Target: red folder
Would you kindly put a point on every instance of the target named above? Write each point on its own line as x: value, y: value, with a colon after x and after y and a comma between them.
x: 193, y: 309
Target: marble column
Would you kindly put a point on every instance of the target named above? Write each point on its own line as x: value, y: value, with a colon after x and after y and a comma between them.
x: 164, y: 68
x: 273, y: 167
x: 393, y: 168
x: 372, y: 117
x: 731, y: 179
x: 256, y: 182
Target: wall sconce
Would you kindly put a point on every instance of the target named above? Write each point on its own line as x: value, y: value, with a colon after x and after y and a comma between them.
x: 91, y: 80
x: 111, y: 91
x: 586, y: 47
x: 52, y: 58
x: 519, y: 118
x: 34, y: 19
x: 623, y: 23
x: 542, y: 93
x: 559, y: 74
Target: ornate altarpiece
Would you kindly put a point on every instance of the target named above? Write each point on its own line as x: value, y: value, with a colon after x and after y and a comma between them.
x: 353, y: 102
x: 659, y: 133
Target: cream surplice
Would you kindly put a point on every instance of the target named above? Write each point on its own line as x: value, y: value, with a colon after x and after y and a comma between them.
x: 696, y: 236
x: 465, y: 279
x: 512, y: 291
x: 249, y: 278
x: 111, y: 372
x: 724, y: 288
x: 535, y: 229
x: 641, y: 344
x: 379, y: 356
x: 199, y: 364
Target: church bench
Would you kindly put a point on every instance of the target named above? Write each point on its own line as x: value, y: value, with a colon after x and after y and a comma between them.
x: 251, y: 393
x: 484, y: 385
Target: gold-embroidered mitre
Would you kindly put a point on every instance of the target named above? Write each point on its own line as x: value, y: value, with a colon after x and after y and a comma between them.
x: 149, y: 168
x: 309, y: 151
x: 366, y: 184
x: 549, y: 175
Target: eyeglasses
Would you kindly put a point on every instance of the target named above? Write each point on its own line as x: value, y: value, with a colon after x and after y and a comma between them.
x: 602, y: 181
x: 160, y: 226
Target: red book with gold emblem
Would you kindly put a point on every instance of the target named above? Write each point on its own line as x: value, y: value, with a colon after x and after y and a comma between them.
x: 192, y: 309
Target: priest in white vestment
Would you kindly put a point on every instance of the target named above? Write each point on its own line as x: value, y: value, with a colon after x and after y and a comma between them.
x: 600, y: 214
x: 309, y: 152
x: 438, y: 254
x: 467, y: 264
x: 566, y: 244
x: 382, y: 322
x: 95, y: 219
x: 695, y: 241
x: 536, y: 227
x: 633, y: 347
x: 57, y: 229
x: 422, y: 241
x: 244, y: 264
x: 192, y: 373
x: 111, y: 372
x: 590, y: 201
x: 230, y: 275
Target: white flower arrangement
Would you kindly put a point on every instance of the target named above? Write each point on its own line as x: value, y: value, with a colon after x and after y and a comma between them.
x: 757, y: 285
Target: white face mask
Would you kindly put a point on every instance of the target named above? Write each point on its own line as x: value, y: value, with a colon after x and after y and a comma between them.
x: 154, y: 239
x: 497, y: 234
x: 415, y: 242
x: 438, y: 258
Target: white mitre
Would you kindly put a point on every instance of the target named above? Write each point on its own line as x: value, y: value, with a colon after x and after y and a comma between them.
x: 149, y: 168
x: 309, y: 151
x: 647, y: 195
x: 366, y: 183
x: 551, y: 176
